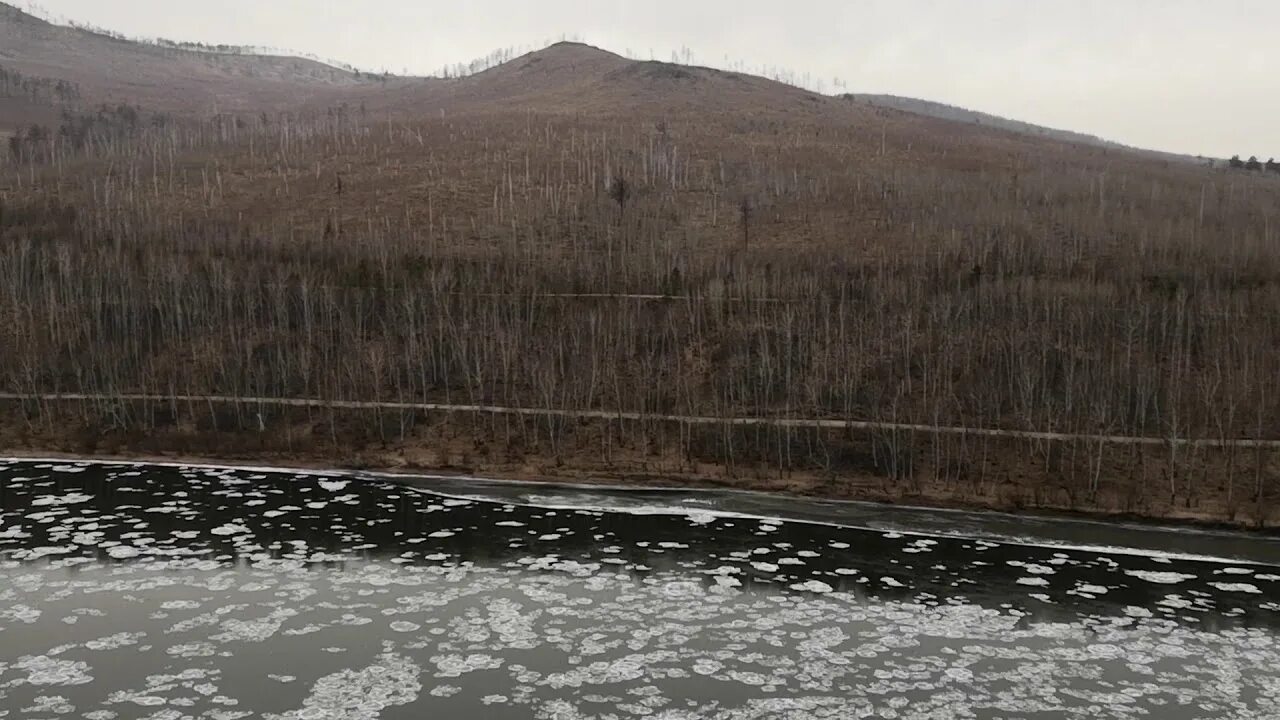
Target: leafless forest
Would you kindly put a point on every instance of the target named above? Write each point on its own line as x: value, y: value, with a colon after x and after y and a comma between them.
x: 728, y: 266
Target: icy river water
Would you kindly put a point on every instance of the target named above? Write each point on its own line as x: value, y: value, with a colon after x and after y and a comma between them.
x: 135, y: 591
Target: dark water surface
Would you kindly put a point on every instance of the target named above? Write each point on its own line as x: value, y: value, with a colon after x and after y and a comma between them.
x: 167, y: 593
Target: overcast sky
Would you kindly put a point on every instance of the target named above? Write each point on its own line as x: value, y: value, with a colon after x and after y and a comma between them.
x: 1194, y: 76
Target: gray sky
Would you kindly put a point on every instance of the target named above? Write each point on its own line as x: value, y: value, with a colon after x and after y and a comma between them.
x: 1194, y: 76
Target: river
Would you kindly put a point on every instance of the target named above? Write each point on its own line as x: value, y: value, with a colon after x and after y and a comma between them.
x: 169, y: 592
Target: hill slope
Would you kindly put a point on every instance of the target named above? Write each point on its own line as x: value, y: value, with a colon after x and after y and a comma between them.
x: 566, y: 77
x: 110, y: 70
x: 942, y: 111
x: 577, y: 78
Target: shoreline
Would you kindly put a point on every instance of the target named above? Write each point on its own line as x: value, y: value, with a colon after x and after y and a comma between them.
x: 581, y: 479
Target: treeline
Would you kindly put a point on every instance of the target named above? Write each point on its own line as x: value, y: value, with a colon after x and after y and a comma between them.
x: 253, y: 50
x: 80, y: 131
x: 479, y: 65
x: 44, y: 91
x: 496, y: 261
x: 1254, y: 164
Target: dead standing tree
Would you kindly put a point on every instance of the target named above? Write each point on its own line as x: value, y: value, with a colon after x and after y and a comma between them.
x: 439, y: 310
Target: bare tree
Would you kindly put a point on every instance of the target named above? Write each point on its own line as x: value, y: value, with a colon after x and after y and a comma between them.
x: 192, y: 259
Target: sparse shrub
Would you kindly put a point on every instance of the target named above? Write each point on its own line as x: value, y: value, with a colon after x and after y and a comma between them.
x: 620, y: 193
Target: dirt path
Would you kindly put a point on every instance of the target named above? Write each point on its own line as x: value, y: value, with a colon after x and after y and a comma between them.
x: 819, y: 423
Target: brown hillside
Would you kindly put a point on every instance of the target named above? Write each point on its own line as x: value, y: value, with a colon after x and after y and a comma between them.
x: 572, y: 77
x: 110, y: 70
x: 563, y: 78
x: 566, y: 78
x: 577, y: 79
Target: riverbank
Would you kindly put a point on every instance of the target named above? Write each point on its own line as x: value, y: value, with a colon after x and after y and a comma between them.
x: 1012, y: 477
